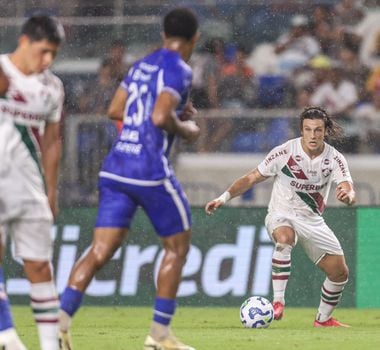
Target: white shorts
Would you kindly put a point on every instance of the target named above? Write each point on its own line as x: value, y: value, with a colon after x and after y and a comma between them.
x: 31, y: 238
x: 312, y: 232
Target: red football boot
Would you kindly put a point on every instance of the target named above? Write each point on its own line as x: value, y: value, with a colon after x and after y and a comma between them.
x: 331, y: 322
x: 278, y: 310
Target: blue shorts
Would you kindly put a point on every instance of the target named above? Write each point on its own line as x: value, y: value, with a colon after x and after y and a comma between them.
x: 165, y: 204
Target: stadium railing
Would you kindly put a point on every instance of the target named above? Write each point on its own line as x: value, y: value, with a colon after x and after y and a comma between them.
x: 87, y: 139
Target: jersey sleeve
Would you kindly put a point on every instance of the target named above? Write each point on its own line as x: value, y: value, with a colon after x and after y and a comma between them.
x: 341, y: 172
x: 127, y: 80
x: 274, y: 161
x: 57, y: 108
x: 176, y: 80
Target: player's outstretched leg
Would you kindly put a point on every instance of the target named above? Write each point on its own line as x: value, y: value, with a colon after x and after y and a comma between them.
x: 71, y: 300
x: 281, y: 264
x: 104, y: 244
x: 8, y: 336
x: 169, y: 276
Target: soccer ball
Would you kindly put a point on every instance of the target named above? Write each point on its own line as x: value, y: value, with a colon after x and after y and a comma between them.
x: 256, y: 312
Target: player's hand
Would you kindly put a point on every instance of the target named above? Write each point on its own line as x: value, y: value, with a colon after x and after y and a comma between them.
x: 188, y: 112
x: 344, y: 195
x: 212, y: 206
x: 192, y: 130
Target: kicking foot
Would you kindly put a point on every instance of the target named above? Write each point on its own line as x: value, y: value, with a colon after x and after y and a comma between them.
x: 331, y: 322
x: 168, y: 343
x: 65, y: 342
x: 278, y: 310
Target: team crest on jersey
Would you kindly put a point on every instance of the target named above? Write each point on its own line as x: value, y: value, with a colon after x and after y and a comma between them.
x: 19, y: 97
x: 326, y: 171
x: 292, y: 169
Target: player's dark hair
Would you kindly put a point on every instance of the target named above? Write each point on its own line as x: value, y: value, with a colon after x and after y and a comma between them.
x: 334, y: 130
x: 180, y: 22
x: 44, y: 27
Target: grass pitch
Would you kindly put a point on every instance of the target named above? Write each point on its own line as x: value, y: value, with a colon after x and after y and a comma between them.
x: 125, y: 328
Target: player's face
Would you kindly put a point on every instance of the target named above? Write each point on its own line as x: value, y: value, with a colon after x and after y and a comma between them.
x: 313, y: 135
x: 39, y: 55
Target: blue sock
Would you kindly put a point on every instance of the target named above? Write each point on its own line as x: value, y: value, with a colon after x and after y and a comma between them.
x: 71, y: 300
x: 5, y: 309
x: 164, y: 310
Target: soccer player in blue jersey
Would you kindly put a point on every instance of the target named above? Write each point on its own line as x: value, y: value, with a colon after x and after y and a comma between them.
x: 153, y: 101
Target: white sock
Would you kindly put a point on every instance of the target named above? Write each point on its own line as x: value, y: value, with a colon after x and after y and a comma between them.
x: 281, y: 264
x: 45, y: 304
x: 330, y: 295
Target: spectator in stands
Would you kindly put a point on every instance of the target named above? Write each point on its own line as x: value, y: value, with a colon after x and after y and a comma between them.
x: 97, y: 95
x: 116, y: 57
x: 371, y: 51
x: 349, y: 13
x: 322, y: 27
x: 236, y: 86
x: 207, y: 65
x: 207, y: 71
x: 338, y: 96
x: 353, y: 69
x: 368, y: 116
x: 297, y: 46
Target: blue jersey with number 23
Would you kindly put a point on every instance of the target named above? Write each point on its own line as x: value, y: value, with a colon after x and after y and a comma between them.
x: 140, y: 154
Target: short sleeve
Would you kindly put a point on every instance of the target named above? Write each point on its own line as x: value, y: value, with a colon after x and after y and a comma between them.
x: 57, y: 108
x: 274, y: 161
x: 126, y: 80
x: 177, y: 80
x: 341, y: 173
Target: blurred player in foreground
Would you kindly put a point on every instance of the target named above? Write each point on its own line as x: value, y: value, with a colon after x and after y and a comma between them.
x: 303, y: 170
x: 30, y: 149
x: 153, y: 102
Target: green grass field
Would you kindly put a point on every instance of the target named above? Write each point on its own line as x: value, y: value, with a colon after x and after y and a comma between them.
x: 124, y: 328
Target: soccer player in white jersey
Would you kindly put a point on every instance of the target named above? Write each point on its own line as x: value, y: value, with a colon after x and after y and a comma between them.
x: 30, y: 112
x: 303, y: 169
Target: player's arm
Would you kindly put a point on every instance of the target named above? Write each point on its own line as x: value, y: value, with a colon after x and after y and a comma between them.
x: 238, y: 187
x: 345, y: 193
x: 117, y: 105
x: 4, y: 83
x: 165, y: 117
x: 51, y: 155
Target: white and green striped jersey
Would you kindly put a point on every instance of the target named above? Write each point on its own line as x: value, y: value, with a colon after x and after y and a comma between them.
x: 302, y: 184
x: 30, y: 102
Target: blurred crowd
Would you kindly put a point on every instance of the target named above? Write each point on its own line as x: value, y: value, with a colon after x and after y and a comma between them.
x: 327, y: 56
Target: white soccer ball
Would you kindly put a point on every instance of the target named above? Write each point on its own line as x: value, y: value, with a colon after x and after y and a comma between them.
x: 256, y: 312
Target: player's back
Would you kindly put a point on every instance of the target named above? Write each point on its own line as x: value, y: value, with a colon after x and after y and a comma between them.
x: 141, y: 150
